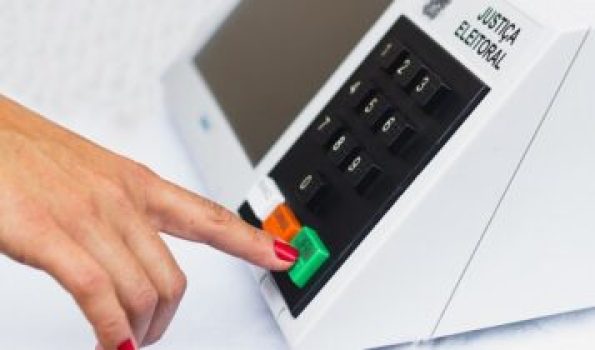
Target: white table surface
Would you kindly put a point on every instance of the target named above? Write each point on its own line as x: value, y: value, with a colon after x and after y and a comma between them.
x: 94, y: 66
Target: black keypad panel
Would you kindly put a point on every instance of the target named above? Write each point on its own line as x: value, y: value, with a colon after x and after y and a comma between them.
x: 375, y: 136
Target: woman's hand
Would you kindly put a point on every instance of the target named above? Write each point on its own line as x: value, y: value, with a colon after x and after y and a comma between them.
x: 91, y: 219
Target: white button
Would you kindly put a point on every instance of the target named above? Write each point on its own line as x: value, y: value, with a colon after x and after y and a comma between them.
x: 264, y: 197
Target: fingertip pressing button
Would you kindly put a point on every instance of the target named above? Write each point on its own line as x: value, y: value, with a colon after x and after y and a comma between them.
x: 313, y: 254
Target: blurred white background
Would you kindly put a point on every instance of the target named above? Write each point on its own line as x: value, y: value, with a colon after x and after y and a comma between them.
x: 94, y: 66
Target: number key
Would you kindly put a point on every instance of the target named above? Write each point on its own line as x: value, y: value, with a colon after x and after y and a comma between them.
x: 395, y: 132
x: 361, y: 171
x: 390, y: 54
x: 325, y: 128
x: 309, y: 188
x: 374, y: 109
x: 342, y: 148
x: 407, y: 70
x: 357, y: 91
x: 427, y: 88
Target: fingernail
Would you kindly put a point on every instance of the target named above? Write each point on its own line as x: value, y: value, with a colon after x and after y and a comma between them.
x: 285, y: 252
x: 127, y: 345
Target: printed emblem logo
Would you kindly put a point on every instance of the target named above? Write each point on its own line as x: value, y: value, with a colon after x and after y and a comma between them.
x: 434, y: 7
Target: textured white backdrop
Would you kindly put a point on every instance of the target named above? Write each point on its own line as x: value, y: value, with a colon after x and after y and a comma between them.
x: 94, y: 66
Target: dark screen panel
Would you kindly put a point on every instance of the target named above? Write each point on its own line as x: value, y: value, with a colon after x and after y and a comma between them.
x: 271, y: 57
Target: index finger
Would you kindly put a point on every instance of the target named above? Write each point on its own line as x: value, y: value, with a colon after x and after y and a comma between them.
x: 192, y: 217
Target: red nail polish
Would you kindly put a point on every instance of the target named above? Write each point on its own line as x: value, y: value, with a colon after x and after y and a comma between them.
x: 285, y: 252
x: 127, y: 345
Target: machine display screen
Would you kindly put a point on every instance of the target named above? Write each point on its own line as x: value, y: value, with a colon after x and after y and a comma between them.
x: 270, y: 58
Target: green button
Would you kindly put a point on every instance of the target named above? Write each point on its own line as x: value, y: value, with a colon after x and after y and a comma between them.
x: 313, y: 254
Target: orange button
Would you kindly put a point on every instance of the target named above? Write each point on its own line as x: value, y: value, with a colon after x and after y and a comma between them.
x: 282, y: 223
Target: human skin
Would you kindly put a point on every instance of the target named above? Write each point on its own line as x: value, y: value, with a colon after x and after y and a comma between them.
x: 92, y: 220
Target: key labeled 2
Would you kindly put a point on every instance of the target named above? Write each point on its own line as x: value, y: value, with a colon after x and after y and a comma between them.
x: 407, y: 70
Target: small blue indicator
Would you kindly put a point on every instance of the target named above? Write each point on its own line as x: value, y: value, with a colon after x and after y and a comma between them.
x: 204, y: 122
